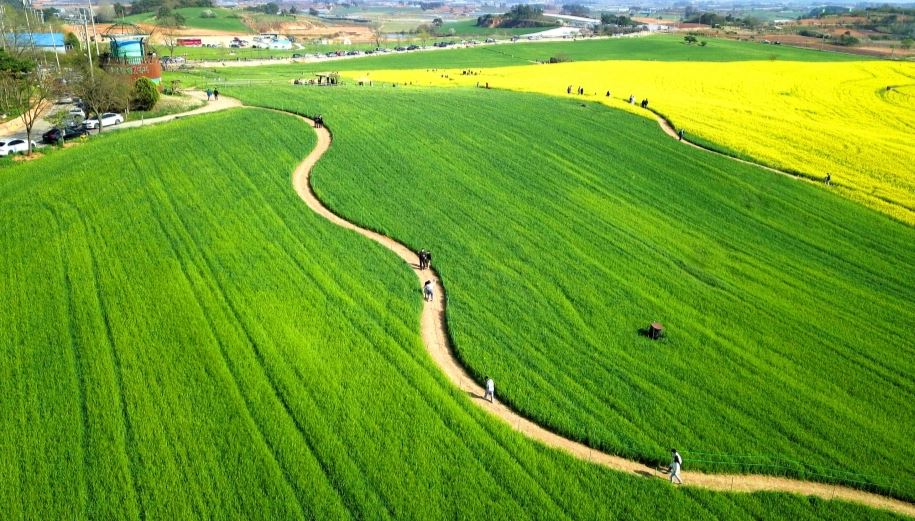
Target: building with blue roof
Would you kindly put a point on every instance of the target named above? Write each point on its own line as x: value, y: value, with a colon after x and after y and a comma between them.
x: 50, y: 42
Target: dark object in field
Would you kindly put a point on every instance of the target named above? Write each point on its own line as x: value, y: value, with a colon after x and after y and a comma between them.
x: 645, y: 103
x: 655, y: 331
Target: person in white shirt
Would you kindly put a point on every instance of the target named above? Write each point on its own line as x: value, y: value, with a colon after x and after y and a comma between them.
x: 427, y: 291
x: 675, y: 467
x: 490, y: 390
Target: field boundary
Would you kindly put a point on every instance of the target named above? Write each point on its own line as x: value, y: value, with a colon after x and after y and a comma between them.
x: 671, y: 130
x: 436, y: 339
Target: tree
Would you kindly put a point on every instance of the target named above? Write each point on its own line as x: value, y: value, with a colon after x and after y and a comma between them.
x: 437, y: 22
x: 29, y: 94
x: 119, y: 10
x: 293, y: 10
x: 10, y: 63
x: 71, y: 41
x: 906, y: 43
x: 689, y: 39
x: 576, y: 10
x: 169, y: 29
x: 102, y: 92
x: 377, y: 34
x: 144, y: 94
x: 166, y: 16
x: 424, y: 35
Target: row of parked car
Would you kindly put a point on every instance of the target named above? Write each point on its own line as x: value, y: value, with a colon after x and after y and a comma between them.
x: 73, y: 129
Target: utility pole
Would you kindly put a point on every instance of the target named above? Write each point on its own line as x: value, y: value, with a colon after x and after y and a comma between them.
x: 3, y: 26
x: 88, y: 47
x: 53, y: 37
x: 94, y: 32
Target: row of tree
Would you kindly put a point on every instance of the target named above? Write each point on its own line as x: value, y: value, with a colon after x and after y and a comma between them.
x: 520, y: 15
x: 152, y: 6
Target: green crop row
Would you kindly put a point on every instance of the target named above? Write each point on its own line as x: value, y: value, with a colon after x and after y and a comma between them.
x: 562, y: 229
x: 184, y: 339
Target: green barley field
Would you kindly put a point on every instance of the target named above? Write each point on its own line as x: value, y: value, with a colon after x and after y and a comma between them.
x: 184, y: 339
x: 658, y: 48
x: 561, y: 234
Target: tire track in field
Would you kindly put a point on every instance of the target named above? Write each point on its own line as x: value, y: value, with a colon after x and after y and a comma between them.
x: 230, y: 364
x: 130, y: 441
x: 436, y: 339
x: 78, y: 357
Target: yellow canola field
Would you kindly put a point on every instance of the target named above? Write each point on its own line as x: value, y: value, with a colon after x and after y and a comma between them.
x: 811, y: 118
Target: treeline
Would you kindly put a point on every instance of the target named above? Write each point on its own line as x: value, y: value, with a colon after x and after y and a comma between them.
x: 521, y: 15
x: 716, y: 20
x: 576, y: 10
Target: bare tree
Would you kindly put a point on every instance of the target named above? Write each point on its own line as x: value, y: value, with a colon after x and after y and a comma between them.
x: 168, y: 29
x: 377, y: 34
x: 103, y: 92
x: 29, y: 94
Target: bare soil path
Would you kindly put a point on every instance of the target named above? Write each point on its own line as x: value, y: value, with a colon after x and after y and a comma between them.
x: 435, y: 339
x: 672, y: 132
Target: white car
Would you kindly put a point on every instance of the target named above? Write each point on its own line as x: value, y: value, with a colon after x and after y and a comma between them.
x: 76, y: 111
x: 14, y: 146
x: 108, y: 119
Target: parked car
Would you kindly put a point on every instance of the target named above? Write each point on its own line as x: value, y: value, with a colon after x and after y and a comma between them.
x: 66, y: 133
x: 76, y: 112
x: 412, y: 47
x: 490, y: 40
x: 14, y: 146
x: 400, y: 49
x: 108, y: 119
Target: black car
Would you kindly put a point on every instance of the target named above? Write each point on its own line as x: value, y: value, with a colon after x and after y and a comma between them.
x: 67, y: 133
x: 412, y: 47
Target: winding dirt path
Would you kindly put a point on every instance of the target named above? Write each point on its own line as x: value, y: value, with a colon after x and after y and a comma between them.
x: 433, y: 331
x: 672, y: 132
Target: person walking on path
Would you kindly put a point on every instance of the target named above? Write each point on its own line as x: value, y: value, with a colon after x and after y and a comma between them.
x: 425, y: 259
x: 828, y: 179
x: 427, y: 291
x: 490, y: 393
x: 216, y: 94
x: 209, y: 93
x: 632, y: 99
x: 675, y: 467
x: 680, y: 134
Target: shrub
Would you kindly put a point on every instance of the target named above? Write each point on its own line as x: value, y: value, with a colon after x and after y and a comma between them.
x: 144, y: 94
